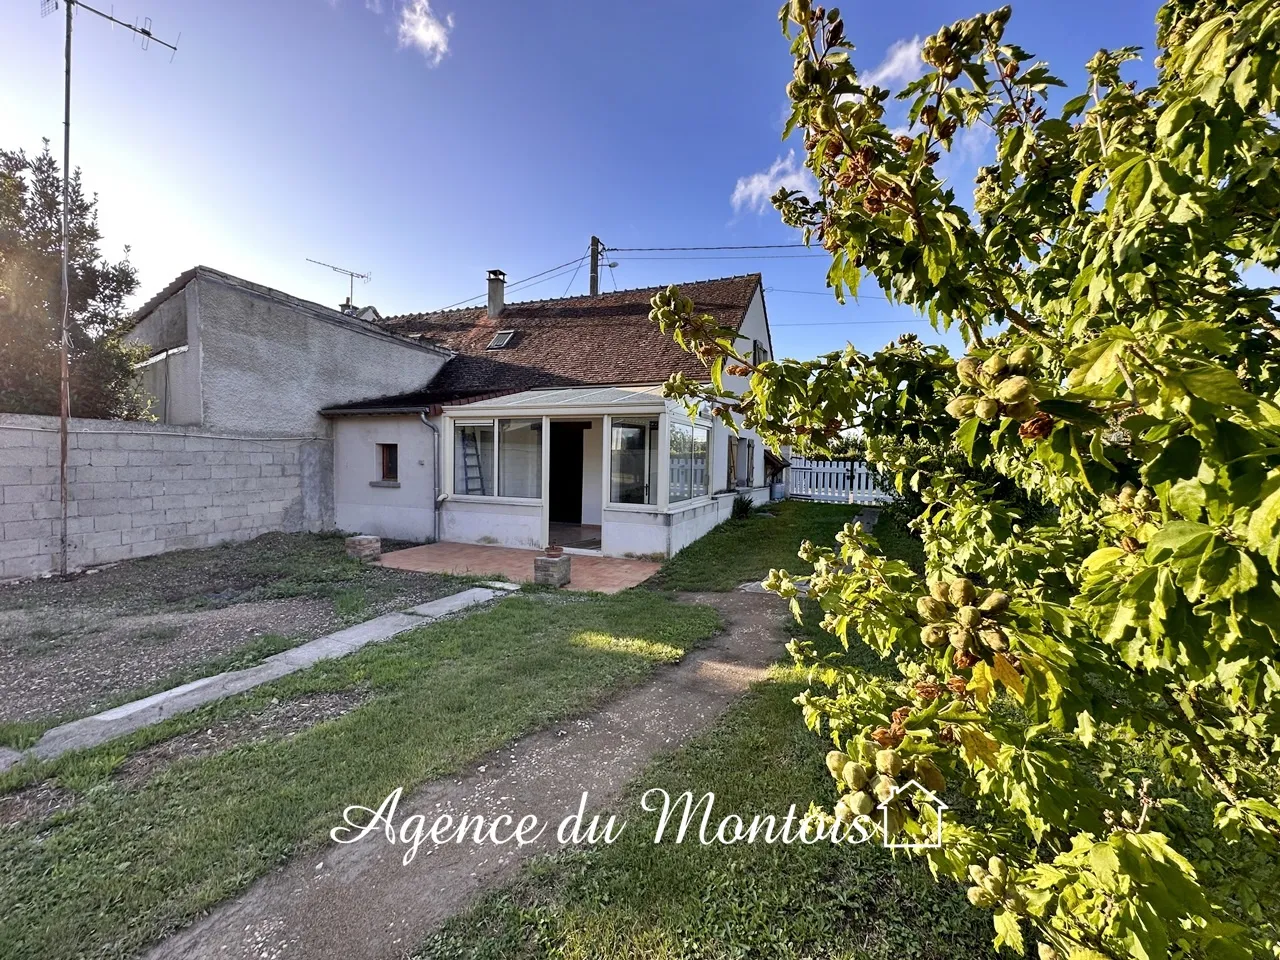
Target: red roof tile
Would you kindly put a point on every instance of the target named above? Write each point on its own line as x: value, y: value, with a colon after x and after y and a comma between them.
x: 572, y: 341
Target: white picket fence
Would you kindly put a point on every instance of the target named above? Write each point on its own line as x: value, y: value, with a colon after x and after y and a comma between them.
x: 837, y: 481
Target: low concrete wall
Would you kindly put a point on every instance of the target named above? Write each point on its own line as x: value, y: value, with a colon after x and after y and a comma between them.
x: 141, y: 488
x: 503, y: 522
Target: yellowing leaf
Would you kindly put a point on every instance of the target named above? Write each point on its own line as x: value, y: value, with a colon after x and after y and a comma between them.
x: 1007, y: 675
x: 981, y: 685
x: 978, y: 745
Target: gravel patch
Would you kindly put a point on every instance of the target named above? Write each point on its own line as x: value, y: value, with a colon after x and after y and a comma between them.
x: 63, y: 663
x: 33, y: 803
x: 280, y: 720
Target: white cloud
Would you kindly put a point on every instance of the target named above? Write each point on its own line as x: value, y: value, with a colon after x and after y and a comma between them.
x: 373, y: 6
x: 421, y: 28
x: 901, y: 64
x: 753, y: 192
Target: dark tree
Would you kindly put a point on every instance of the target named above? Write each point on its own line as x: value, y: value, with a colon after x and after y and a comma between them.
x: 103, y: 383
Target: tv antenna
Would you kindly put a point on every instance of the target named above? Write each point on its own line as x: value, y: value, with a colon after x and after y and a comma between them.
x: 139, y: 30
x: 351, y: 276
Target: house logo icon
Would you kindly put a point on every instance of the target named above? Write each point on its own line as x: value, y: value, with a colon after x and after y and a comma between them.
x: 923, y: 799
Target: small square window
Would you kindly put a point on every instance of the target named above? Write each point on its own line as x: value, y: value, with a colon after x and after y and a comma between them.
x: 501, y: 339
x: 389, y: 461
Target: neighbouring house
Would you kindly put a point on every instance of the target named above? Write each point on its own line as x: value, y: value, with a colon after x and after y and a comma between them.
x: 521, y: 424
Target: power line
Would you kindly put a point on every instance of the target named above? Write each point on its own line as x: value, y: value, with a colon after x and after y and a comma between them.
x: 514, y: 283
x: 579, y: 267
x: 829, y: 293
x: 762, y: 256
x: 845, y: 323
x: 754, y: 246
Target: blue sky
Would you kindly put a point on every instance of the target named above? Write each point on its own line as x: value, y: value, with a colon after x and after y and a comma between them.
x: 428, y: 142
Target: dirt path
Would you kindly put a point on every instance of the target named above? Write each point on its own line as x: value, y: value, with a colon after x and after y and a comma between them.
x: 359, y: 902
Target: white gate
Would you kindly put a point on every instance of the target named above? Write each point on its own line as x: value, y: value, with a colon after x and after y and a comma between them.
x: 837, y: 481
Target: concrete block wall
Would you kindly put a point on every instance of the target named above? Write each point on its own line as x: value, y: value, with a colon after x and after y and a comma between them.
x: 139, y: 488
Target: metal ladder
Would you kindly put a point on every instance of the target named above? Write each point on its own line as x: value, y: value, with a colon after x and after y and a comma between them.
x: 472, y: 471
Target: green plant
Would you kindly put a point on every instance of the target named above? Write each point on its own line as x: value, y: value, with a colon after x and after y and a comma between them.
x: 103, y: 383
x: 1096, y: 665
x: 742, y: 507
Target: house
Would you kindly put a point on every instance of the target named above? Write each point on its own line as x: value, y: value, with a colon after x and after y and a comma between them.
x: 520, y: 424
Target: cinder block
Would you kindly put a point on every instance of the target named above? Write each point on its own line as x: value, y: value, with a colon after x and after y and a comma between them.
x: 28, y: 529
x: 17, y: 511
x: 180, y: 515
x: 10, y: 438
x: 187, y: 542
x: 27, y: 566
x: 175, y: 444
x: 27, y: 456
x: 93, y: 475
x: 13, y: 549
x: 113, y: 521
x: 115, y: 554
x: 167, y: 472
x: 138, y: 534
x: 145, y: 458
x: 197, y: 500
x: 146, y: 548
x: 197, y: 471
x: 114, y: 490
x: 25, y: 493
x: 109, y: 458
x: 96, y: 541
x: 135, y: 441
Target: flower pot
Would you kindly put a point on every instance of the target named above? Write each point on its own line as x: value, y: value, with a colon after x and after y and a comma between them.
x: 555, y: 550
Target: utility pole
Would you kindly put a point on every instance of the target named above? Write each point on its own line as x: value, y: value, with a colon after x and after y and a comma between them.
x: 595, y: 266
x: 64, y: 391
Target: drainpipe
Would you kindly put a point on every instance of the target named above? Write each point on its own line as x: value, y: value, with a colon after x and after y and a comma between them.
x: 439, y: 494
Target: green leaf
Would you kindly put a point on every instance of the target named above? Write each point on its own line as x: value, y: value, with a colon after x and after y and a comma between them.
x: 1179, y: 538
x: 1179, y: 460
x: 966, y: 435
x: 1008, y: 931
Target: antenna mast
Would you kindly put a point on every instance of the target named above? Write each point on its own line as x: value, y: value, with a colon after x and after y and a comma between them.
x: 142, y: 30
x: 351, y: 275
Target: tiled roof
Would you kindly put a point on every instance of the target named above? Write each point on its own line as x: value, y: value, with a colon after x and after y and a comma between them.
x: 572, y: 341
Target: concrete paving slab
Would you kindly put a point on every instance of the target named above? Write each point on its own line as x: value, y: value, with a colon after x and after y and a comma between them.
x: 455, y: 602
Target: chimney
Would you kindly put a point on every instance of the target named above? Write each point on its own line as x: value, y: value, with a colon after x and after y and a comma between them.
x: 497, y: 286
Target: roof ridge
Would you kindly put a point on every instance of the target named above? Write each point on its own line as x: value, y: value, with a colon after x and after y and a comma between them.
x: 576, y: 296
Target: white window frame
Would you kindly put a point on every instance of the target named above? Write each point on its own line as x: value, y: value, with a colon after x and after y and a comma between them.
x: 492, y: 423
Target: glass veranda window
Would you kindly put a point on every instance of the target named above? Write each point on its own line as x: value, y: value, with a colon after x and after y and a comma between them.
x: 690, y: 466
x: 633, y: 461
x: 473, y: 459
x: 520, y: 458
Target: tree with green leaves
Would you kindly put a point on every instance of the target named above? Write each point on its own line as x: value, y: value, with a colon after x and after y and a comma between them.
x: 103, y: 383
x: 1097, y: 675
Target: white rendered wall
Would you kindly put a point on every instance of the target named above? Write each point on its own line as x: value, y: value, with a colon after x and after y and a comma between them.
x: 360, y: 503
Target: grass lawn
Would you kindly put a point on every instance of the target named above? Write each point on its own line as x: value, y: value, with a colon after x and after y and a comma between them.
x: 270, y: 567
x: 124, y: 864
x: 634, y: 900
x: 741, y: 550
